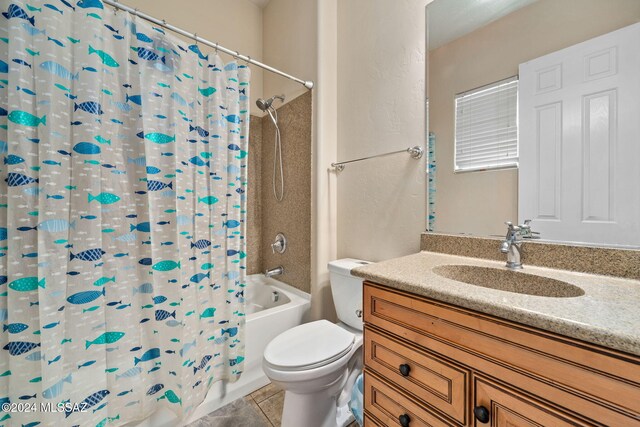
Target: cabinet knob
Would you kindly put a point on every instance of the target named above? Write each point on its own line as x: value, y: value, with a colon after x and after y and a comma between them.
x: 405, y: 369
x: 404, y: 420
x: 481, y: 413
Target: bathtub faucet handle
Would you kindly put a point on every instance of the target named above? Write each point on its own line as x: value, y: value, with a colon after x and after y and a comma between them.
x: 280, y: 244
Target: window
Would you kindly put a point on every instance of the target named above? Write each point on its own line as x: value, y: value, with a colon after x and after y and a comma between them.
x: 487, y: 127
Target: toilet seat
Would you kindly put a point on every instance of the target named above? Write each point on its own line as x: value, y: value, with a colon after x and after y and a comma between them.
x: 308, y: 346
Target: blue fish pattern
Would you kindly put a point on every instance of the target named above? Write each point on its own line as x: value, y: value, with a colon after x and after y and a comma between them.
x: 90, y: 107
x: 12, y: 159
x: 148, y: 54
x: 59, y: 70
x: 88, y: 255
x: 15, y: 179
x: 86, y: 4
x: 15, y: 11
x: 16, y: 348
x: 157, y: 185
x: 144, y: 38
x: 124, y: 159
x: 86, y: 148
x: 14, y: 328
x: 86, y: 296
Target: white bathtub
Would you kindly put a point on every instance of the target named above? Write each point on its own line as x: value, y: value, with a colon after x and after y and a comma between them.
x: 266, y: 319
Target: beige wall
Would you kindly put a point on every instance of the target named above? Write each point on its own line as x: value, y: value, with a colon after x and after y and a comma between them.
x: 235, y: 24
x: 324, y: 245
x: 289, y: 44
x: 479, y: 202
x: 381, y: 68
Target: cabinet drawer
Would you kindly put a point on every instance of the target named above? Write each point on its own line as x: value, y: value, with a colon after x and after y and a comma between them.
x: 426, y: 377
x: 387, y: 404
x: 506, y: 408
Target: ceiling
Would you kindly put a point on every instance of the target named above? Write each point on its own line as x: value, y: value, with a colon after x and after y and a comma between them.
x: 260, y: 3
x: 449, y: 20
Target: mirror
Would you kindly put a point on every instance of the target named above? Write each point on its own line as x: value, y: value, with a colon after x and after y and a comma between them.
x: 557, y: 158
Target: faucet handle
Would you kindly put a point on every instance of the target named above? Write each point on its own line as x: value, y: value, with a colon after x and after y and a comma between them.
x: 280, y: 244
x: 526, y: 231
x: 511, y: 227
x: 276, y: 246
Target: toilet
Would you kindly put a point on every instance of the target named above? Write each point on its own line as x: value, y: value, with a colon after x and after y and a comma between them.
x: 317, y: 363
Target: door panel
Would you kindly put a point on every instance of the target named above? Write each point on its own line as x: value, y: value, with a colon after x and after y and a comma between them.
x: 579, y: 135
x: 508, y: 408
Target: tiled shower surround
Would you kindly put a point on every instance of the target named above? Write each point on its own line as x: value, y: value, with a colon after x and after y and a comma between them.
x: 292, y: 216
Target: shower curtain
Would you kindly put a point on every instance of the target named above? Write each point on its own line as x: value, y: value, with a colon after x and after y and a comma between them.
x: 122, y: 216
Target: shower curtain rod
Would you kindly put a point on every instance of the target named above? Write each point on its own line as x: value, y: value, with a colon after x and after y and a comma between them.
x: 163, y: 23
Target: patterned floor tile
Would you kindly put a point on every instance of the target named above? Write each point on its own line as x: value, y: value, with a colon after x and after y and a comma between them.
x: 265, y: 392
x: 272, y: 408
x: 238, y: 413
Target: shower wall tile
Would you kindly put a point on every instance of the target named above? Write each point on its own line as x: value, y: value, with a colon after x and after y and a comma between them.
x: 254, y: 200
x: 291, y: 216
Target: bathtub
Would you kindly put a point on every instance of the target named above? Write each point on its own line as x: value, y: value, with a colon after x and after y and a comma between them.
x: 272, y: 307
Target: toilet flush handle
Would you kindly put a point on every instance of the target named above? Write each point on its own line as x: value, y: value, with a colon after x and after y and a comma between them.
x: 359, y: 313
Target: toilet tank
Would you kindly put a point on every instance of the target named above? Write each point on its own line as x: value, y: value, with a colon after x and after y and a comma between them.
x: 347, y: 291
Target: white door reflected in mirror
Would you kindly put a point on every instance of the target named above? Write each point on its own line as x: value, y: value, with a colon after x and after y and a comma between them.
x: 579, y: 150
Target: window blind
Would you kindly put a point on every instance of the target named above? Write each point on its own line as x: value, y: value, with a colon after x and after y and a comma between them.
x: 486, y: 127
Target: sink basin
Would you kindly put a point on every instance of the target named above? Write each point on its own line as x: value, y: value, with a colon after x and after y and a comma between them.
x: 509, y: 281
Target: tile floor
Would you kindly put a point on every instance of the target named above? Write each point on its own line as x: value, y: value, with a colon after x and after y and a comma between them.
x: 262, y: 408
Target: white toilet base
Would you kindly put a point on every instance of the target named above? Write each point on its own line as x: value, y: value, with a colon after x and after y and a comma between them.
x: 316, y: 409
x: 309, y: 410
x: 319, y: 409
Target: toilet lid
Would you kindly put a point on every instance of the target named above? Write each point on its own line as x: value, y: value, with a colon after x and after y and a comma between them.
x: 308, y: 346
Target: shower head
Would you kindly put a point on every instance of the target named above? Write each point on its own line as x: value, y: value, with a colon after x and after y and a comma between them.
x: 265, y: 104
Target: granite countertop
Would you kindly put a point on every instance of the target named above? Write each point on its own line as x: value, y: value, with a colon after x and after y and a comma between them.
x: 608, y: 314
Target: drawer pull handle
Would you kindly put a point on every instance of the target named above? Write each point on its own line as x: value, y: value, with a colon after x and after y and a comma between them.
x: 405, y: 369
x: 404, y: 420
x: 481, y: 413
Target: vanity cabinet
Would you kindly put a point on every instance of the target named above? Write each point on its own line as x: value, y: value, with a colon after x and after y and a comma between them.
x: 429, y: 363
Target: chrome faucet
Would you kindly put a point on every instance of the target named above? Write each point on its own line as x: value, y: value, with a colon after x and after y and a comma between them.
x: 274, y: 271
x: 512, y: 244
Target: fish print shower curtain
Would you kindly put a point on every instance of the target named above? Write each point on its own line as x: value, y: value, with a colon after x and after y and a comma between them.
x: 122, y: 215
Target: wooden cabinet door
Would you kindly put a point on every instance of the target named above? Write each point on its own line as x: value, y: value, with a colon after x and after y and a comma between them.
x: 508, y: 408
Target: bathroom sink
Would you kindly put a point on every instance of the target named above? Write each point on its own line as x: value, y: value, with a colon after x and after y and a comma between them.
x: 509, y: 281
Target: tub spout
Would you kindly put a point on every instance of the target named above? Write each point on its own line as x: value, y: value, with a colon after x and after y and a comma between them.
x: 274, y: 271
